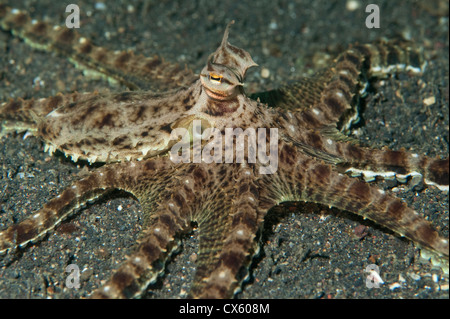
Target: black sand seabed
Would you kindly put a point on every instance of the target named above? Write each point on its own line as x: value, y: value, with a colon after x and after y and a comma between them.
x: 314, y: 254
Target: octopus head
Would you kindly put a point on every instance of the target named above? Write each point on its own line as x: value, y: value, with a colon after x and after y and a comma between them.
x: 223, y: 76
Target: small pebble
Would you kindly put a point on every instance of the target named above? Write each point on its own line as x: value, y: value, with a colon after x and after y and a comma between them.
x: 394, y: 286
x: 429, y: 101
x: 352, y: 5
x: 265, y: 73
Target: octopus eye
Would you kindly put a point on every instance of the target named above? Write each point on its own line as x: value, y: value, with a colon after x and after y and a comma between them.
x: 215, y: 78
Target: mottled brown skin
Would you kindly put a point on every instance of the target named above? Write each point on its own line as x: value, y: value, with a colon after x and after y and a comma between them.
x: 135, y: 71
x: 130, y: 132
